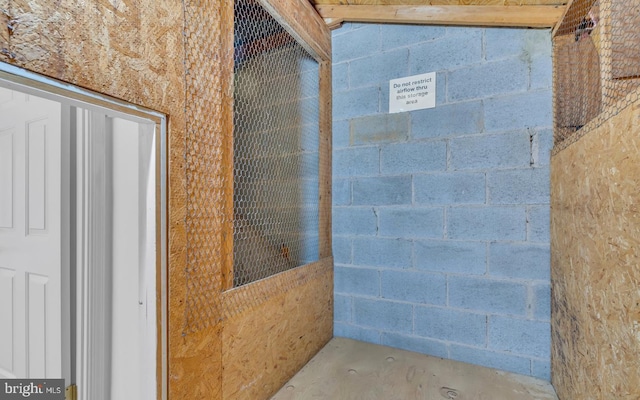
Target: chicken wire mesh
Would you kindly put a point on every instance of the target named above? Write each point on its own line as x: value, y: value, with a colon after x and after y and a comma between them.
x: 275, y: 148
x: 270, y: 160
x: 596, y: 65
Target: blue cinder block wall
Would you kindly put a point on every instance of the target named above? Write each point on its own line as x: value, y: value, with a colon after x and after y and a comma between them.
x: 441, y: 216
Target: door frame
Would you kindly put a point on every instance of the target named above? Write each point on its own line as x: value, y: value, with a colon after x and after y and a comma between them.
x: 49, y: 88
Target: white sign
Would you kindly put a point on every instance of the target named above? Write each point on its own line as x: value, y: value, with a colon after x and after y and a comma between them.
x: 412, y: 93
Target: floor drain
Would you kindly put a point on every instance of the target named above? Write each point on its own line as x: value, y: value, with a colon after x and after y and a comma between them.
x: 448, y: 393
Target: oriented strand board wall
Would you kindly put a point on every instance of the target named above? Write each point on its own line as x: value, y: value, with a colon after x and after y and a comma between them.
x: 176, y: 57
x: 595, y: 226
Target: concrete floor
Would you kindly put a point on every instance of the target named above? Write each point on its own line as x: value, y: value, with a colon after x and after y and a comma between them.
x: 347, y: 369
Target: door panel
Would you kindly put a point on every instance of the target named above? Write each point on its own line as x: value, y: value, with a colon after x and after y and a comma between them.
x: 30, y: 236
x: 7, y: 283
x: 6, y: 178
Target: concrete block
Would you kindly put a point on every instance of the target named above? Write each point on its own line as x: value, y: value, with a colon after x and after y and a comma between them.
x: 541, y: 369
x: 491, y: 359
x: 345, y: 28
x: 355, y: 103
x: 342, y: 329
x: 447, y: 120
x: 340, y: 134
x: 414, y: 287
x: 357, y: 161
x: 356, y: 43
x: 488, y: 296
x: 519, y: 186
x: 310, y: 139
x: 542, y: 302
x: 541, y: 147
x: 342, y: 308
x: 451, y: 256
x: 538, y: 221
x: 485, y: 80
x: 389, y: 253
x: 520, y: 261
x: 407, y: 35
x: 388, y: 65
x: 464, y: 32
x: 438, y: 55
x: 357, y: 281
x: 449, y: 188
x: 383, y: 315
x: 541, y: 73
x: 380, y: 128
x: 451, y: 325
x: 340, y: 77
x: 486, y: 223
x: 308, y: 110
x: 411, y: 222
x: 341, y: 249
x: 341, y: 192
x: 354, y: 221
x: 507, y: 150
x: 518, y: 111
x: 519, y: 336
x: 526, y: 44
x: 408, y: 158
x: 417, y: 344
x: 390, y: 190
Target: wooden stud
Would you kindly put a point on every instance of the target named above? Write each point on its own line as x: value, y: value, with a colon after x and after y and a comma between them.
x: 561, y: 21
x: 300, y: 19
x: 226, y: 65
x: 515, y: 16
x: 325, y: 161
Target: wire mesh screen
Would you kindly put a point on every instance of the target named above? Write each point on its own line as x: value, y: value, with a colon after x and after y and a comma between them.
x: 275, y: 148
x: 596, y: 64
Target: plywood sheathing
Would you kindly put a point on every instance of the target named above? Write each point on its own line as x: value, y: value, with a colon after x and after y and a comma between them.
x: 131, y: 52
x: 176, y: 58
x: 269, y: 343
x: 595, y: 225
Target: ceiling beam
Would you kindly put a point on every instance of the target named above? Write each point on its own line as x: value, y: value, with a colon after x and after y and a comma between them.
x: 514, y: 16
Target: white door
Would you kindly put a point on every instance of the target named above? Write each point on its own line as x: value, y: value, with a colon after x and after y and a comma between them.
x: 32, y: 233
x: 116, y: 256
x: 78, y: 195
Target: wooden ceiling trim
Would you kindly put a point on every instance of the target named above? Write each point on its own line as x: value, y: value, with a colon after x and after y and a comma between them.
x: 534, y: 16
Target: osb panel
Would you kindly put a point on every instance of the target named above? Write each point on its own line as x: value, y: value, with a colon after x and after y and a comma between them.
x: 595, y: 223
x: 266, y: 345
x: 133, y: 52
x: 195, y: 365
x: 209, y: 167
x: 176, y: 58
